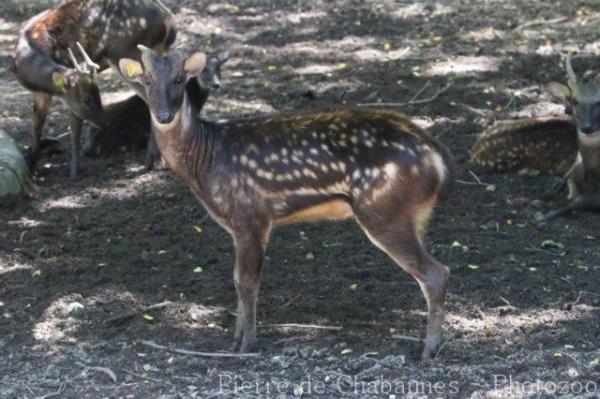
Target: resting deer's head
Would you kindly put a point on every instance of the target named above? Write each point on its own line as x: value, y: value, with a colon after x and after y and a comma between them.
x: 582, y: 98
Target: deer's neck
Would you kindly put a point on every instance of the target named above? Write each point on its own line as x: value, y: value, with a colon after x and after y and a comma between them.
x: 187, y: 144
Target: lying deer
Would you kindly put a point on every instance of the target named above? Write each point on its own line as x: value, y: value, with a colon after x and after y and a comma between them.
x: 568, y: 146
x: 252, y: 175
x: 583, y: 178
x: 126, y: 124
x: 109, y: 30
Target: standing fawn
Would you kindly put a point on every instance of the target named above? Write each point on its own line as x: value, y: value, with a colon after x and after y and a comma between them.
x: 108, y: 29
x: 254, y: 174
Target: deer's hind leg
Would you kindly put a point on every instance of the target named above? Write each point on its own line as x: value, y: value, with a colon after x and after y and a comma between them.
x: 41, y: 104
x: 398, y: 232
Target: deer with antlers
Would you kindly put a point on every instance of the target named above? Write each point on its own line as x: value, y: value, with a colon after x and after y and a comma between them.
x: 44, y: 63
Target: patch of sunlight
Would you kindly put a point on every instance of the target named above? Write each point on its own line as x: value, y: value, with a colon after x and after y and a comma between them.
x: 57, y: 321
x: 7, y: 38
x: 66, y: 202
x: 239, y: 106
x: 543, y: 108
x: 26, y: 222
x: 420, y: 10
x: 297, y: 17
x: 7, y: 25
x: 372, y: 54
x: 315, y: 69
x: 9, y: 267
x: 115, y: 96
x: 463, y: 65
x: 485, y: 34
x: 530, y: 319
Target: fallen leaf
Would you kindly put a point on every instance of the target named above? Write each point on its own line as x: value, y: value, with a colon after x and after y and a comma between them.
x: 473, y: 267
x: 553, y: 244
x: 148, y: 317
x: 198, y: 229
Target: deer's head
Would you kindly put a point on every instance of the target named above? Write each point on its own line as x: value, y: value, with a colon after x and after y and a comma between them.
x: 77, y: 87
x: 582, y: 98
x: 163, y: 79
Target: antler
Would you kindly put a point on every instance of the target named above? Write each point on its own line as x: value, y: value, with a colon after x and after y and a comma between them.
x: 147, y: 54
x: 78, y: 67
x: 88, y: 60
x: 571, y: 77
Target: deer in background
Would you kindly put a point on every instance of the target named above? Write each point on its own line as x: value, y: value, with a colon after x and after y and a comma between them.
x: 109, y: 30
x: 583, y: 178
x: 568, y: 146
x: 252, y: 175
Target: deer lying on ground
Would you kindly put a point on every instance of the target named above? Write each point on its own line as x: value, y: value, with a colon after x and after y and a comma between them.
x: 255, y: 174
x: 568, y: 146
x: 545, y: 144
x: 109, y: 30
x: 583, y: 178
x: 126, y: 124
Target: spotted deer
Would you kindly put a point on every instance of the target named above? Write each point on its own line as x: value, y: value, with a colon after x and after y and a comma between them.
x: 547, y: 144
x: 252, y: 175
x: 583, y: 178
x: 568, y: 146
x: 108, y: 29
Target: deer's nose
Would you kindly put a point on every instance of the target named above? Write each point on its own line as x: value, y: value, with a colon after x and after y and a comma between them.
x: 164, y: 116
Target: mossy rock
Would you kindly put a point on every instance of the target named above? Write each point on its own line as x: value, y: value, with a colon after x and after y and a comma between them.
x: 15, y: 181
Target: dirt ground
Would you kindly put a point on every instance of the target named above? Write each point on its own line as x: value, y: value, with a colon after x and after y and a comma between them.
x: 523, y: 309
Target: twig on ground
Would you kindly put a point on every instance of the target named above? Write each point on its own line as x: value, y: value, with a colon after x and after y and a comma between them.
x: 477, y: 181
x: 302, y: 326
x: 104, y: 370
x: 473, y: 110
x: 53, y: 394
x: 128, y: 315
x: 406, y: 338
x: 292, y: 300
x: 540, y: 22
x: 194, y: 353
x: 425, y: 86
x: 411, y: 102
x: 558, y: 254
x: 143, y: 377
x: 572, y: 358
x: 504, y: 300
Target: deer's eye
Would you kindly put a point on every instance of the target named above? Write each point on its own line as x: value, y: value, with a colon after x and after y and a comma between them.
x: 179, y: 80
x: 146, y: 80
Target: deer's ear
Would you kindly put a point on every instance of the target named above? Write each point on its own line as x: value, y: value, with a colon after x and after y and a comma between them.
x: 194, y: 65
x: 559, y: 91
x: 60, y: 81
x: 130, y: 69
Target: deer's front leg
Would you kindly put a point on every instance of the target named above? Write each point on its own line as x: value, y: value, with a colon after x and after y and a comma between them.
x: 76, y: 126
x: 151, y: 152
x: 249, y: 253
